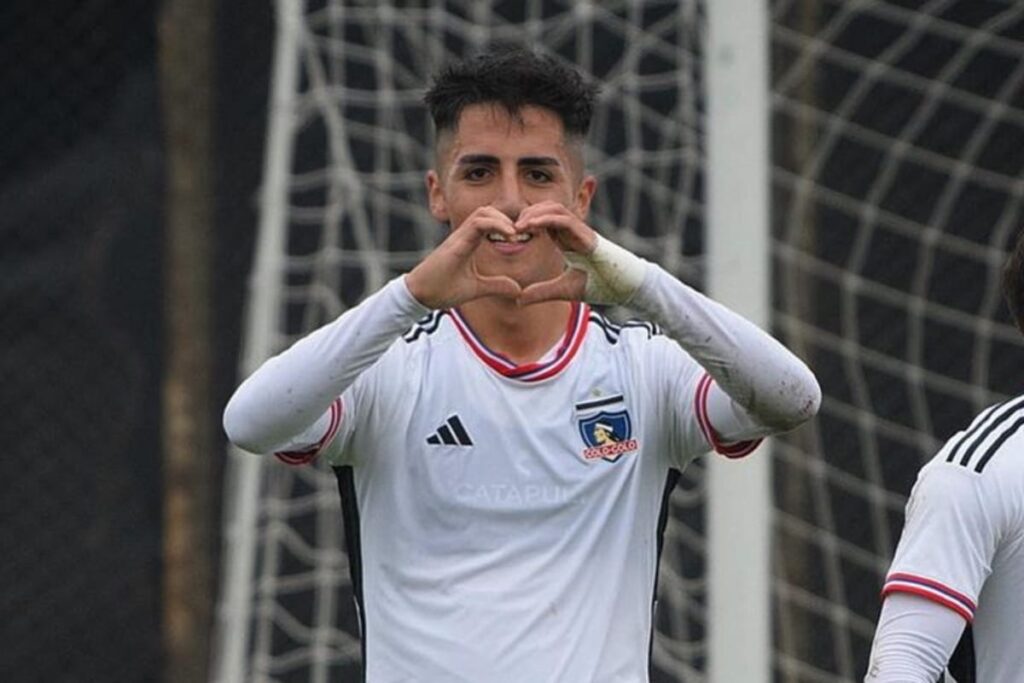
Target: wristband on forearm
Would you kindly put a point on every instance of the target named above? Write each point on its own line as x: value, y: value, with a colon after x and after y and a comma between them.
x: 613, y: 273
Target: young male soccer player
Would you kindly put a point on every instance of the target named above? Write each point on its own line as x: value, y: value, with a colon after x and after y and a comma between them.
x: 504, y: 461
x: 960, y: 560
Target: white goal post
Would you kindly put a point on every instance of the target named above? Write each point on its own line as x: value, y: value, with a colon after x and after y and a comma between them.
x: 739, y: 504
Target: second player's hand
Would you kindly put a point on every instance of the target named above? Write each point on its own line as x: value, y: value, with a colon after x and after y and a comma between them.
x: 447, y: 276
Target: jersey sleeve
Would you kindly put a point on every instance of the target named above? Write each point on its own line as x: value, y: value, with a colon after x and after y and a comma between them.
x: 753, y: 368
x: 288, y: 404
x: 949, y: 539
x: 331, y: 437
x: 727, y: 427
x: 913, y: 641
x: 309, y: 445
x: 683, y: 389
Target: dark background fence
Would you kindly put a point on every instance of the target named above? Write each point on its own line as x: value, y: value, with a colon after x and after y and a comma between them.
x: 83, y: 300
x: 80, y: 230
x: 83, y: 207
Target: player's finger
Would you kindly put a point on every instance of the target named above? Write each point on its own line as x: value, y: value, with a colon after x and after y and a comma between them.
x: 533, y: 213
x: 568, y: 231
x: 498, y: 285
x: 546, y: 206
x: 478, y: 225
x: 570, y: 285
x: 554, y: 221
x: 492, y: 220
x: 486, y: 219
x: 538, y: 214
x: 494, y: 213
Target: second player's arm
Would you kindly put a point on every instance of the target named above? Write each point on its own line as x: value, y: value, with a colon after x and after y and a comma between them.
x: 913, y: 640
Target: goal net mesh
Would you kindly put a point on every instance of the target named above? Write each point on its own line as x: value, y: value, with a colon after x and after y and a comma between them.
x: 896, y: 181
x: 897, y: 128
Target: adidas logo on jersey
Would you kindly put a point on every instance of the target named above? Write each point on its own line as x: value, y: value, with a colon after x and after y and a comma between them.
x: 451, y: 433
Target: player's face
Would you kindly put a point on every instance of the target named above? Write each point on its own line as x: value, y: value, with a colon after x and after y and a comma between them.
x: 494, y: 159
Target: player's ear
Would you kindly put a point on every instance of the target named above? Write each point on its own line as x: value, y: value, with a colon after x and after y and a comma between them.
x: 435, y: 197
x: 584, y: 195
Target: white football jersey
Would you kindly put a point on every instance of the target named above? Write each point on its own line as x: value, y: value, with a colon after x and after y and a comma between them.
x: 963, y: 540
x: 504, y: 522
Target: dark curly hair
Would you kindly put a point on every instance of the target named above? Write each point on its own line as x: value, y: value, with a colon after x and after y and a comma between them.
x: 1013, y: 282
x: 513, y: 78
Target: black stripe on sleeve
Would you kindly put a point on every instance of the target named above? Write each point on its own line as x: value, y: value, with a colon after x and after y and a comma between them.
x: 998, y: 444
x: 651, y: 328
x: 426, y: 325
x: 611, y: 332
x: 1001, y: 418
x: 971, y: 435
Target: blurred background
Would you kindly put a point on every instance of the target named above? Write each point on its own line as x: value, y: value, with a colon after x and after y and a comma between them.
x: 163, y: 227
x: 129, y: 161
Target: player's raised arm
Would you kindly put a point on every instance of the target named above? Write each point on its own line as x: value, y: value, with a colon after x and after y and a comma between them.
x: 754, y: 370
x: 765, y: 380
x: 291, y: 394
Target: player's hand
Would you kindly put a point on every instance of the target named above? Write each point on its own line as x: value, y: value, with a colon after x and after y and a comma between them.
x: 572, y: 235
x: 447, y: 276
x: 599, y: 271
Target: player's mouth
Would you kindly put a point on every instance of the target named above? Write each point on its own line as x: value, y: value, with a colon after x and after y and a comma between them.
x: 520, y: 238
x: 509, y: 245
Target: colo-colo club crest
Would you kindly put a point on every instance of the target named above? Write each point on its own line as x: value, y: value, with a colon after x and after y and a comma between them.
x: 608, y: 436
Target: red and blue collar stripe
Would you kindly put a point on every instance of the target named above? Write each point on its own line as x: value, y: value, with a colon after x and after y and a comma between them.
x: 575, y: 331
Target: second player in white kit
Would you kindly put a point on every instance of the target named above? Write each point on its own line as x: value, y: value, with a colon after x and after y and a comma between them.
x: 504, y: 509
x: 960, y: 561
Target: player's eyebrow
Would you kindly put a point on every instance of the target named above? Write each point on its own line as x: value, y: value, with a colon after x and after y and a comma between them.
x: 469, y: 159
x: 538, y: 161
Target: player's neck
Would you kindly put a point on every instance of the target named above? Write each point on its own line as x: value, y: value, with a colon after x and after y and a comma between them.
x: 523, y: 334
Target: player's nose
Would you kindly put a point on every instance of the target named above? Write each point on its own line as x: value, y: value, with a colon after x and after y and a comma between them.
x: 510, y: 200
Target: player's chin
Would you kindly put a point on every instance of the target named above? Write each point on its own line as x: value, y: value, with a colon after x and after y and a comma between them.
x: 520, y: 276
x: 536, y: 267
x: 524, y: 277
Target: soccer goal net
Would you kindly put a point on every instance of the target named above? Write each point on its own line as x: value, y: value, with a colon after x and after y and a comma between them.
x: 895, y: 182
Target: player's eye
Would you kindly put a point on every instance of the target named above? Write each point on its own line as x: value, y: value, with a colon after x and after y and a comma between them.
x: 536, y: 175
x: 476, y: 173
